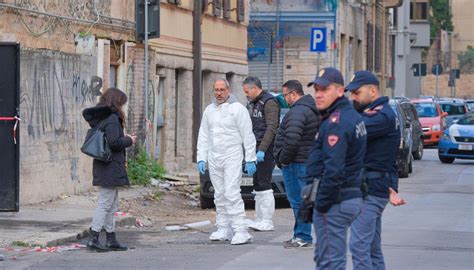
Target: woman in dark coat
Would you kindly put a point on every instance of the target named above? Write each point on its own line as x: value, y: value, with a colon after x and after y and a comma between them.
x: 109, y: 176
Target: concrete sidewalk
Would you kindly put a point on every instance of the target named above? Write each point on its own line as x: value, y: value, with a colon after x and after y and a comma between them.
x: 54, y: 223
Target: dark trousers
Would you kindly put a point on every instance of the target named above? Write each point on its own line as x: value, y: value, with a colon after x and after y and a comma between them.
x: 331, y: 232
x: 262, y: 179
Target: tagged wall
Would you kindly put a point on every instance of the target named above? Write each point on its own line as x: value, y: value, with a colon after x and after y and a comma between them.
x: 55, y: 88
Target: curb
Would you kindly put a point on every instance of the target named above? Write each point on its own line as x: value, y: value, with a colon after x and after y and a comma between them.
x: 121, y: 222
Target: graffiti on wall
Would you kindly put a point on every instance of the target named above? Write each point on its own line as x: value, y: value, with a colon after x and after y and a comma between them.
x: 50, y: 96
x: 54, y: 89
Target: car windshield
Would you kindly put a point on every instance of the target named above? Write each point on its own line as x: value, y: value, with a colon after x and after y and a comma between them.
x: 426, y: 109
x: 470, y: 105
x: 453, y: 109
x: 466, y: 120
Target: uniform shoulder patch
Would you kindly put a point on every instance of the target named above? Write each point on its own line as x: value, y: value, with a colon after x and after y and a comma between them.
x: 370, y: 112
x: 334, y: 117
x: 332, y: 140
x: 373, y: 111
x: 378, y: 108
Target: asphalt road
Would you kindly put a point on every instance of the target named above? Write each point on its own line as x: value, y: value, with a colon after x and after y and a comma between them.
x: 433, y: 231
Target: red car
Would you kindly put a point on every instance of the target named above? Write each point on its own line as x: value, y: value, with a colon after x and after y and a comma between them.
x: 432, y: 119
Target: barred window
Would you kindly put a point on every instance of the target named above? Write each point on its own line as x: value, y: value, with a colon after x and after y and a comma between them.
x: 374, y: 48
x: 370, y: 44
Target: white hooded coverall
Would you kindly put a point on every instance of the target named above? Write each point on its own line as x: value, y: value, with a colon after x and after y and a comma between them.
x: 224, y: 129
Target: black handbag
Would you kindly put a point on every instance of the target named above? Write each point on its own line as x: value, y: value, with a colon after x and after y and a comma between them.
x: 308, y: 193
x: 96, y: 145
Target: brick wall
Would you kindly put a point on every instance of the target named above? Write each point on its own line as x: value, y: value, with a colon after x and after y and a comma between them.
x: 136, y: 93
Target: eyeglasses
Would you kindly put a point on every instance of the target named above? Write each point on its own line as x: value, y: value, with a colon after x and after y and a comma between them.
x: 220, y: 89
x: 284, y: 95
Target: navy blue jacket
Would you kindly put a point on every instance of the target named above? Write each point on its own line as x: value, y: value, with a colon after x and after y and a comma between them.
x: 383, y: 139
x: 296, y: 133
x: 337, y: 156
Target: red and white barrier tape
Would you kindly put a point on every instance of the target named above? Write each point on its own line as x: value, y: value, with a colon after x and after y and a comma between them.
x: 74, y: 246
x: 17, y: 120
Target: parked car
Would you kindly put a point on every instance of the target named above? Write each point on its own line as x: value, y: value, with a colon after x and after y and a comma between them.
x: 206, y: 194
x: 416, y: 129
x: 470, y: 104
x: 432, y: 119
x: 455, y: 108
x: 404, y: 154
x: 458, y: 140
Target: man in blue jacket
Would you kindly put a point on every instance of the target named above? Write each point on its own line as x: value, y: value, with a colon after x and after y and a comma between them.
x: 336, y: 159
x: 294, y: 139
x: 383, y: 139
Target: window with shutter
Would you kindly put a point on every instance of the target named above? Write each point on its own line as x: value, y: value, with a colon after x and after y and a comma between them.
x: 240, y: 10
x: 227, y: 9
x: 176, y: 2
x: 217, y: 8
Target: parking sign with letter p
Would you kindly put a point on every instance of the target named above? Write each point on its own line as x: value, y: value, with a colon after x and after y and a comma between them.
x: 318, y: 39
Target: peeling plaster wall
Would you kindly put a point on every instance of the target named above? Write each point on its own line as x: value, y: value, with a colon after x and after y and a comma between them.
x: 55, y: 88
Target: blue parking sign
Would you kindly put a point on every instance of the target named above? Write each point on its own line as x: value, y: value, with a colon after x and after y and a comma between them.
x: 318, y: 39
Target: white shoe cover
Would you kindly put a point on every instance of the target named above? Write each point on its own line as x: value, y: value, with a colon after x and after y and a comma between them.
x: 249, y: 222
x: 264, y: 226
x: 241, y: 237
x: 222, y: 234
x: 264, y: 208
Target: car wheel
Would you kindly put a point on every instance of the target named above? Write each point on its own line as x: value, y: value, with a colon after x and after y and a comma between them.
x: 448, y: 160
x: 206, y: 203
x: 418, y: 154
x: 403, y: 173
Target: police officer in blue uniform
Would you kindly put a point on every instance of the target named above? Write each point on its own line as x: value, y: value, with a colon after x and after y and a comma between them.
x: 336, y: 159
x: 380, y: 180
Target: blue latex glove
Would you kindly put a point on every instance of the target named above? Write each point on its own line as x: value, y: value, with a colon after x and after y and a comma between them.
x: 250, y: 168
x: 202, y: 167
x: 260, y: 156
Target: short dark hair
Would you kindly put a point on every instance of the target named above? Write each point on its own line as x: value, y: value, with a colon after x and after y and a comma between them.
x: 295, y: 86
x: 253, y: 82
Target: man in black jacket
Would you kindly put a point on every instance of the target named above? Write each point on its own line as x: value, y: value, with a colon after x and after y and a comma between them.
x: 293, y: 141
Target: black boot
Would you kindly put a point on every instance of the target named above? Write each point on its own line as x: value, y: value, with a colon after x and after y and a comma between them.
x: 113, y: 244
x: 94, y: 243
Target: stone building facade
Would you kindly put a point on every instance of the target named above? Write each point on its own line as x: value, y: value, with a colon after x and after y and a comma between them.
x: 73, y: 50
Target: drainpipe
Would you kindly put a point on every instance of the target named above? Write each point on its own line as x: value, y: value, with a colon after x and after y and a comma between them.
x: 197, y: 73
x: 335, y: 46
x: 278, y: 51
x: 384, y: 49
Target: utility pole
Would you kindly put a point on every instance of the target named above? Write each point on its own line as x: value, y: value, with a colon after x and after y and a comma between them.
x: 438, y: 45
x: 318, y: 60
x: 197, y: 73
x: 146, y: 77
x: 421, y: 89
